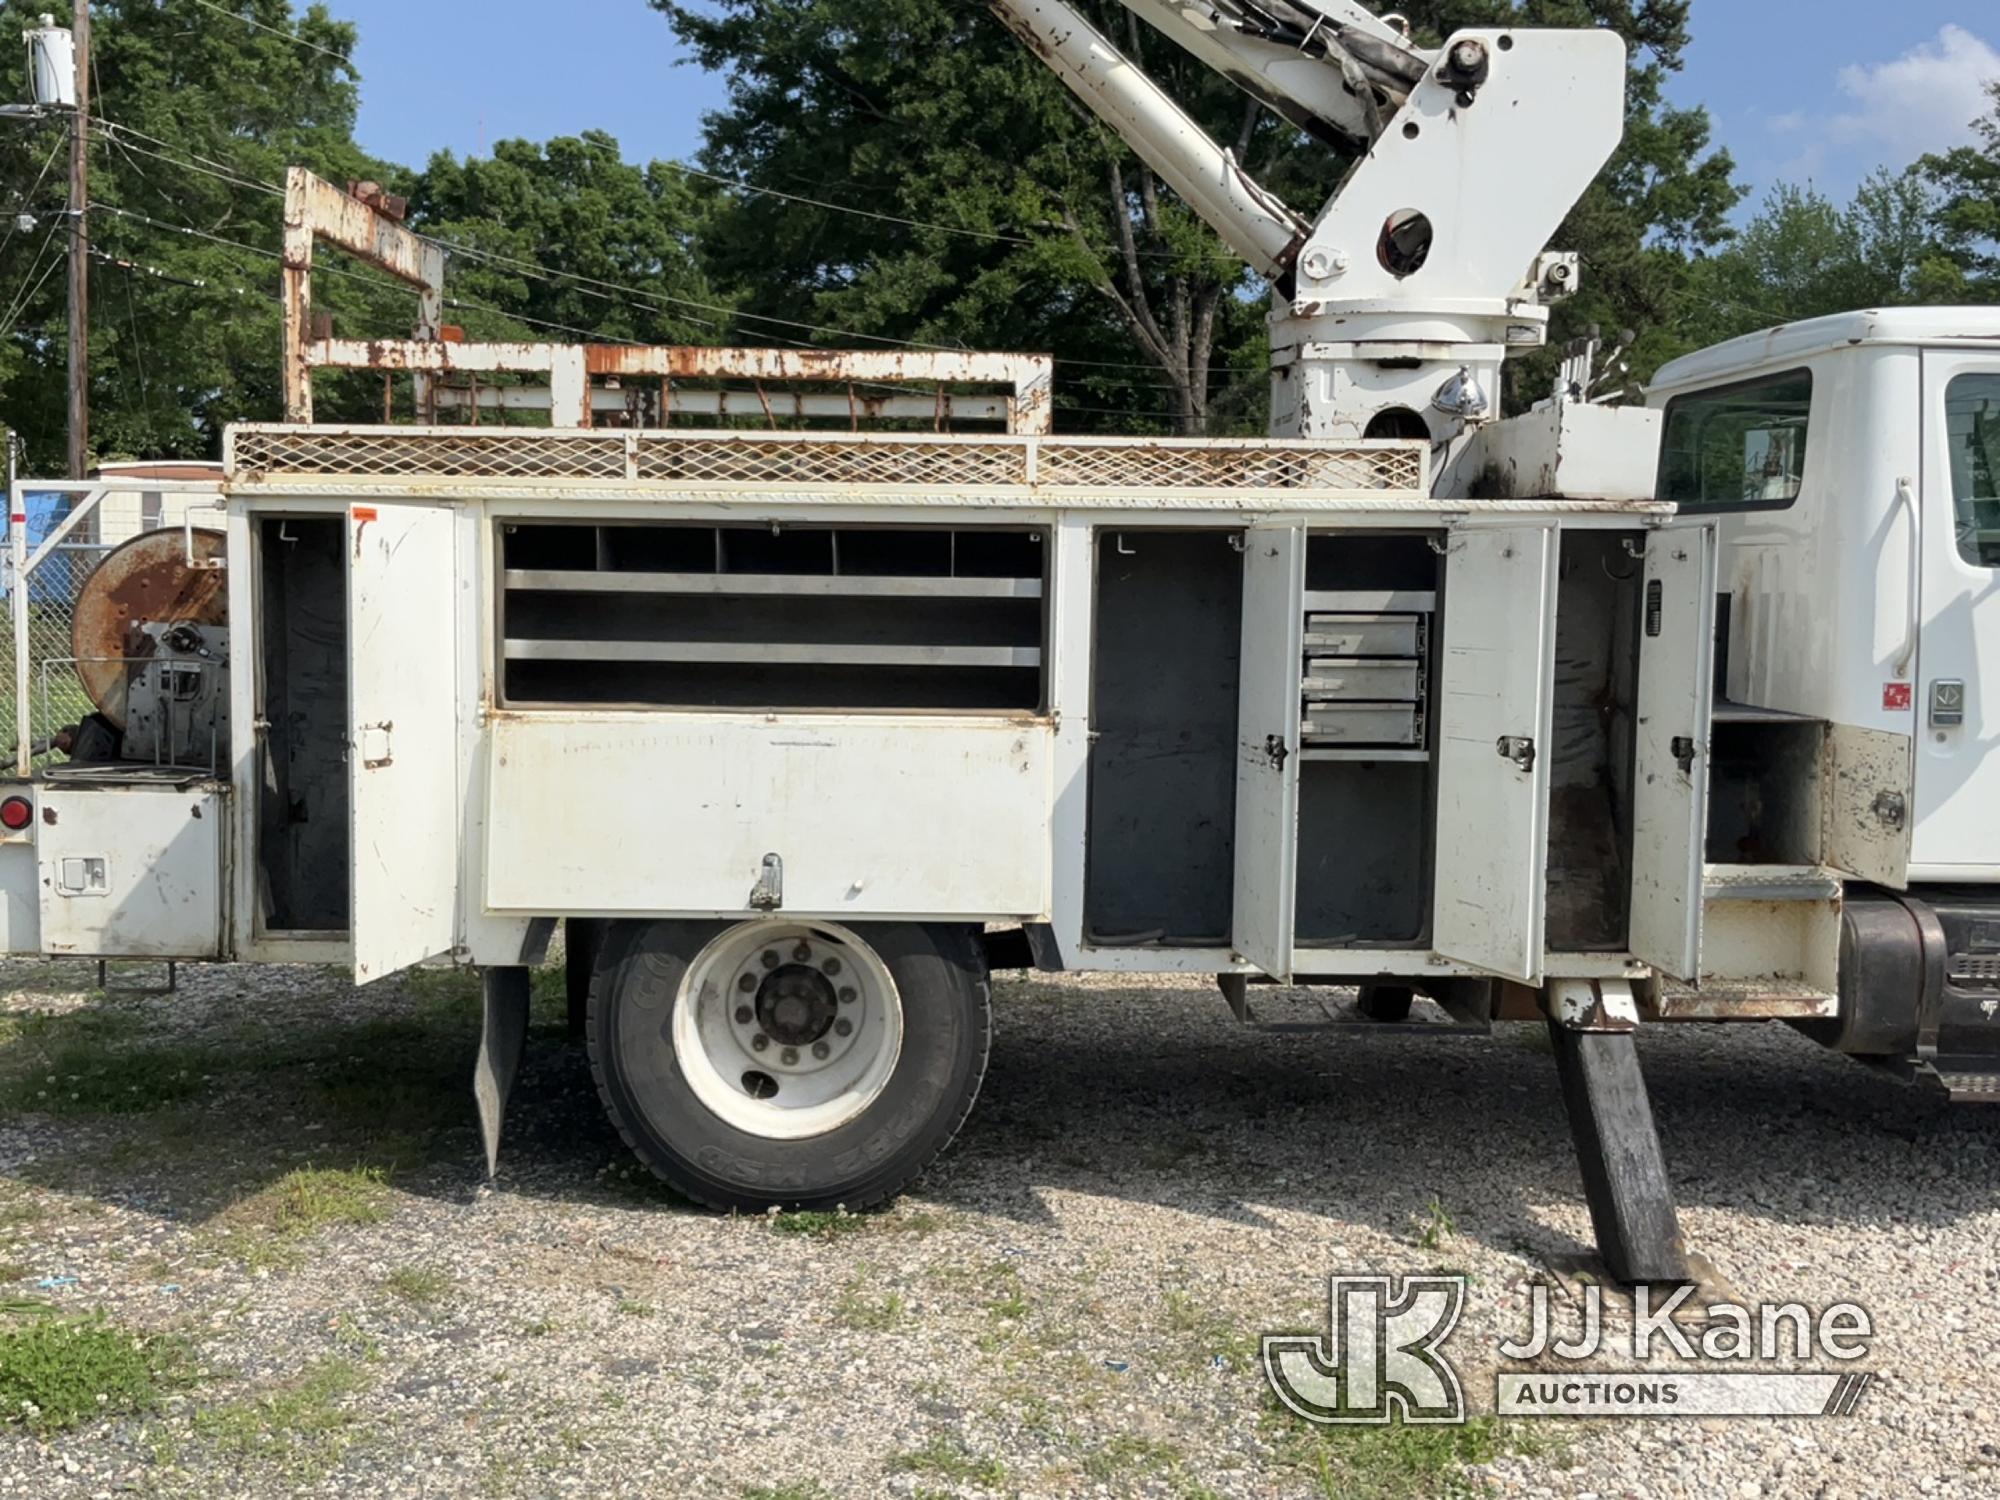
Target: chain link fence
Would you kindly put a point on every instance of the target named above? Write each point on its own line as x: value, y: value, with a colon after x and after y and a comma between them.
x: 56, y: 696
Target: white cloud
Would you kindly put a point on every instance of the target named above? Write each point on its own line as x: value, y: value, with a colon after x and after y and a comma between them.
x: 1895, y: 111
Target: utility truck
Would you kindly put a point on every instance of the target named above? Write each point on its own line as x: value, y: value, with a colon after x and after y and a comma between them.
x: 1600, y: 716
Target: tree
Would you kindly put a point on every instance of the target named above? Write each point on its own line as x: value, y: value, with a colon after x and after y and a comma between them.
x: 543, y: 235
x: 199, y: 112
x: 1968, y: 264
x: 1805, y: 256
x: 1011, y: 219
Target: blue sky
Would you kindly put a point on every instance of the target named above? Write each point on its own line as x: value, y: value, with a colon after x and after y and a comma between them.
x: 1824, y: 90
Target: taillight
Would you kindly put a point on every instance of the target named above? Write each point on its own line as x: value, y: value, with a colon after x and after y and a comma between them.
x: 16, y: 813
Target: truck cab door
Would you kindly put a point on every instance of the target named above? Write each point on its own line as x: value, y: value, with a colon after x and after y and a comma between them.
x: 402, y: 753
x: 1495, y: 717
x: 1955, y: 670
x: 1676, y: 694
x: 1267, y: 750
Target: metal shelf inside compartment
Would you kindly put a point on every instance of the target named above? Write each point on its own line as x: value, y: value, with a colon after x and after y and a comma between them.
x: 774, y: 653
x: 578, y: 581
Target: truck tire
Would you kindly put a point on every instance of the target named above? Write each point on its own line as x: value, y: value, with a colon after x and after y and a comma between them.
x: 777, y: 1063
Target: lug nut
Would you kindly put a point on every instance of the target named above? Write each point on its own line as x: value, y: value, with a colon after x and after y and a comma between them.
x: 746, y: 983
x: 832, y: 966
x: 759, y: 1042
x: 789, y: 1056
x: 803, y: 953
x: 770, y: 958
x: 843, y: 1028
x: 822, y: 1051
x: 744, y: 1015
x: 848, y: 994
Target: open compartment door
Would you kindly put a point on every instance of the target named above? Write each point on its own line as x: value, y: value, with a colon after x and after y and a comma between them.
x: 1670, y: 762
x: 1495, y: 714
x: 1267, y: 750
x: 402, y: 748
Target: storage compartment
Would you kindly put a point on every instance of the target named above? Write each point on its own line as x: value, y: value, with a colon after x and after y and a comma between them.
x: 770, y: 617
x: 1764, y: 788
x: 302, y: 791
x: 131, y: 867
x: 1364, y: 854
x: 1163, y: 738
x: 1599, y: 610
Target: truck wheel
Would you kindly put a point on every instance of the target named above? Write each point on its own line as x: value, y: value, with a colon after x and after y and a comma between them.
x: 791, y: 1064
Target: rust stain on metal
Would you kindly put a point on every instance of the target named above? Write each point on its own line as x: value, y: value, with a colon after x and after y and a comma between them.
x: 145, y: 581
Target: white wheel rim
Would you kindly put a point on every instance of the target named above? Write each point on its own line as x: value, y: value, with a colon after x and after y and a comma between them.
x: 786, y: 1029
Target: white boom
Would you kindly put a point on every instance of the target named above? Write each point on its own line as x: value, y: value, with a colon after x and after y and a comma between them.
x: 1395, y: 307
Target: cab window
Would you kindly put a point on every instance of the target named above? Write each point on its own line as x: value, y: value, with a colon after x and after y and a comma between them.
x: 1738, y: 447
x: 1972, y: 429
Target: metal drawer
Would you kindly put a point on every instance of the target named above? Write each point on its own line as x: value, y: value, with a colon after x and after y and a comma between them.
x: 1343, y: 679
x: 1362, y: 724
x: 1364, y: 635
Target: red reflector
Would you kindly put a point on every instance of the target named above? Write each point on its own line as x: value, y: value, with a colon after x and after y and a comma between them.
x: 16, y: 813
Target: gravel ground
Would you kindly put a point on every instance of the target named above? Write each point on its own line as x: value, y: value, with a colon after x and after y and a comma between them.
x: 268, y: 1180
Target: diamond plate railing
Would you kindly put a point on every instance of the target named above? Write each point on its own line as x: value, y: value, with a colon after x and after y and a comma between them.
x: 274, y: 455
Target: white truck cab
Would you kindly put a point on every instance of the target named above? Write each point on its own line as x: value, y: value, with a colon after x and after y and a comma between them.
x: 1850, y: 464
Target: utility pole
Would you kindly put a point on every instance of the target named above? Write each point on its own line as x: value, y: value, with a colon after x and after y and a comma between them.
x: 79, y: 253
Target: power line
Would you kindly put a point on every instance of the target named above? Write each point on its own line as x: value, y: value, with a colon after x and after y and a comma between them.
x: 659, y: 299
x: 340, y: 57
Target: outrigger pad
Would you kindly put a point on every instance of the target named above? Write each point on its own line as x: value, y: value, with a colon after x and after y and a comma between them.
x: 1624, y: 1174
x: 501, y: 1041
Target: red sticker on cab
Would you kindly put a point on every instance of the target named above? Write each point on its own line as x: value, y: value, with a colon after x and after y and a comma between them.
x: 1897, y: 697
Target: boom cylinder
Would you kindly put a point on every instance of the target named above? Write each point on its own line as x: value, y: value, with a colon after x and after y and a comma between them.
x: 1256, y: 225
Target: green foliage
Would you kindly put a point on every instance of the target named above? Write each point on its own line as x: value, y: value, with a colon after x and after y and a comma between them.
x: 58, y: 1372
x: 300, y: 1428
x: 184, y: 330
x: 1968, y: 264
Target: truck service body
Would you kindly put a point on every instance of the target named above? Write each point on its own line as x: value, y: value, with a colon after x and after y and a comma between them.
x: 1599, y: 715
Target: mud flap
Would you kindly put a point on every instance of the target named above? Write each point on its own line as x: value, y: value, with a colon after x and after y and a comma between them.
x: 1618, y: 1148
x: 582, y: 937
x: 501, y: 1041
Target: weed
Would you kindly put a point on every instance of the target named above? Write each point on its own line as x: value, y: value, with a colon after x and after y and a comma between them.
x: 798, y: 1489
x: 817, y: 1224
x: 300, y: 1427
x: 632, y: 1308
x: 1397, y: 1462
x: 859, y: 1310
x: 421, y: 1286
x: 313, y: 1198
x: 1211, y: 1334
x: 1131, y: 1457
x: 951, y: 1460
x: 56, y: 1372
x: 1436, y: 1226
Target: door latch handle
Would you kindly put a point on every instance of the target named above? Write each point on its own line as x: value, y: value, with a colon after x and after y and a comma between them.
x: 1684, y: 752
x: 1519, y: 749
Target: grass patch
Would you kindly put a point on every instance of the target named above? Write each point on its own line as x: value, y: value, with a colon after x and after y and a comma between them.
x: 1210, y: 1334
x: 859, y: 1309
x: 819, y: 1224
x: 946, y: 1458
x: 1129, y: 1458
x: 86, y: 1072
x: 420, y: 1286
x: 263, y: 1229
x: 314, y: 1198
x: 798, y: 1489
x: 58, y: 1372
x: 300, y: 1427
x: 1407, y: 1463
x: 631, y: 1307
